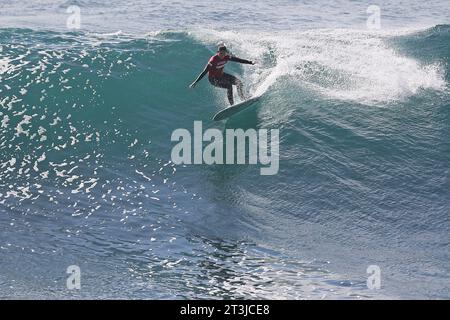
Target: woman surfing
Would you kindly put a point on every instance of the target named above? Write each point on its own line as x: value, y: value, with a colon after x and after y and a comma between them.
x: 218, y: 78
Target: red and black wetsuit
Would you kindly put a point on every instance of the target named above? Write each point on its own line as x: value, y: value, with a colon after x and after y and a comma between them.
x: 217, y: 77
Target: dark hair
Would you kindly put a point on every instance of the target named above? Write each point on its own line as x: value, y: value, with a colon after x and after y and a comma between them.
x: 222, y: 48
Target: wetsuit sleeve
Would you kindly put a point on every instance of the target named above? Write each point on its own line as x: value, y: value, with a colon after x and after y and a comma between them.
x: 236, y: 59
x: 204, y: 72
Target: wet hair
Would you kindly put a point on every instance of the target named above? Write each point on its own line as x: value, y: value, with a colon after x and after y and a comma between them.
x: 222, y: 48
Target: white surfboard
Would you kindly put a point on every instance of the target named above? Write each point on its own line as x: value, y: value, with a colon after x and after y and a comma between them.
x: 238, y: 107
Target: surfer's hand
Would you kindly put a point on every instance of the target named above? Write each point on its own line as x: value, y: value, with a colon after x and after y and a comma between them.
x: 192, y: 85
x: 253, y: 63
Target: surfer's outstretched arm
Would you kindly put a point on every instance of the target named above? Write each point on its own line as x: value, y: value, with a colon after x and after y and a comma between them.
x: 200, y: 77
x: 236, y: 59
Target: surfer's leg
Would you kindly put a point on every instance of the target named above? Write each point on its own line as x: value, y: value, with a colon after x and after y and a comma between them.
x: 224, y: 82
x: 240, y: 88
x: 230, y: 94
x: 228, y: 81
x: 237, y: 83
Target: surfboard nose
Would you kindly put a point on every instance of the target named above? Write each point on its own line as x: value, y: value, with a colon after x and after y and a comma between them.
x: 230, y: 111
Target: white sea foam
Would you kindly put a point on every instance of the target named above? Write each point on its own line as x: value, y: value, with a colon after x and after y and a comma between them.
x: 347, y: 64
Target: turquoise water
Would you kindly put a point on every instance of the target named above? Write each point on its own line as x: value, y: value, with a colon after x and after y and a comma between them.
x: 86, y: 176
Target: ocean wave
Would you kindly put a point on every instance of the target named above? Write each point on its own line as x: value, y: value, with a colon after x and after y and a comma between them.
x: 86, y: 120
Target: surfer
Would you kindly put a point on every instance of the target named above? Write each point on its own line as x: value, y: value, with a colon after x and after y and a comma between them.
x: 220, y: 79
